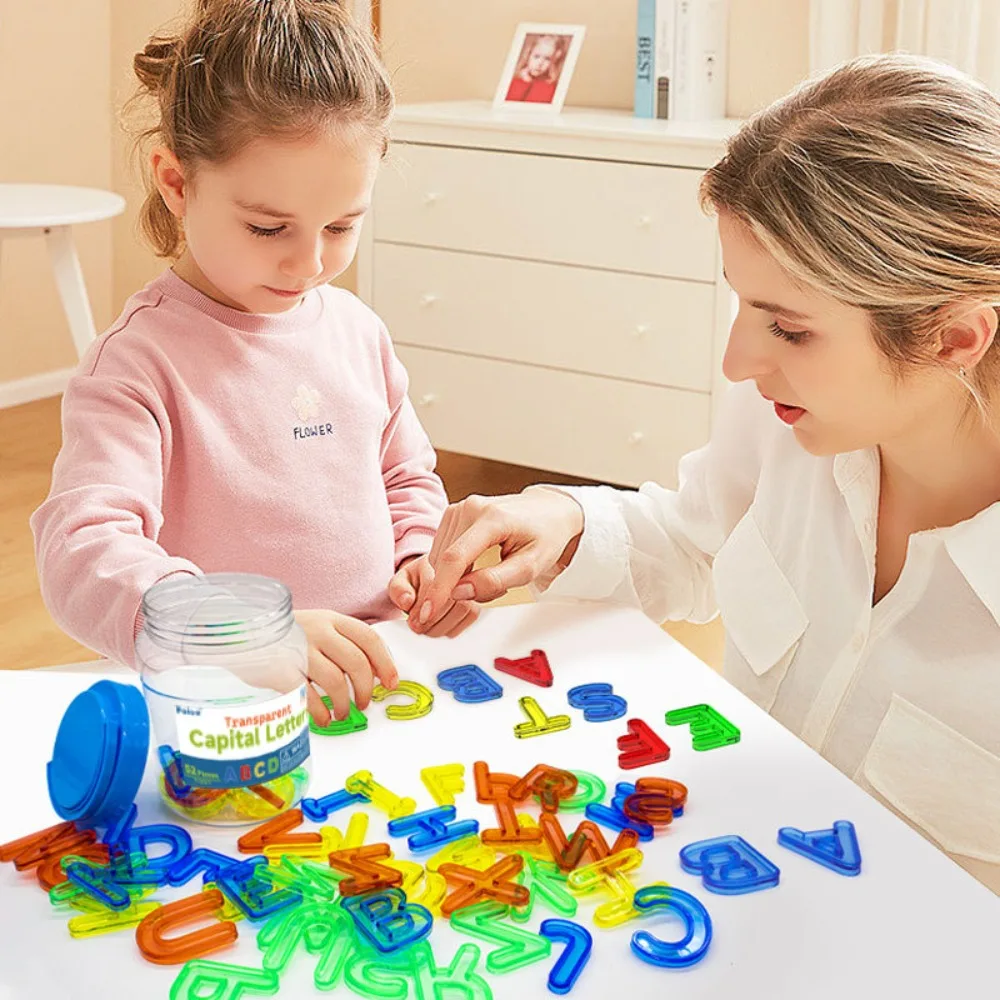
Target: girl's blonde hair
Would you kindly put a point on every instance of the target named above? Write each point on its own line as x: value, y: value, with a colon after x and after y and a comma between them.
x: 243, y: 69
x: 879, y: 184
x: 560, y: 48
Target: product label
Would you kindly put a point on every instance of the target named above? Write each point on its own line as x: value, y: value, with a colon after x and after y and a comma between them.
x: 239, y: 746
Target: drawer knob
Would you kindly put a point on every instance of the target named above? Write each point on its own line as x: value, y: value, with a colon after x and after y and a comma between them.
x: 635, y: 437
x: 427, y: 399
x: 428, y: 300
x: 640, y: 331
x: 645, y: 221
x: 432, y: 198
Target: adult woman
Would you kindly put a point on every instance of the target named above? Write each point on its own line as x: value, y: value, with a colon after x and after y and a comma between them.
x: 844, y: 517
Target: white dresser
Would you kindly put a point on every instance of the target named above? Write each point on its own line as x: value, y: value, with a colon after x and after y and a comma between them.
x: 552, y: 285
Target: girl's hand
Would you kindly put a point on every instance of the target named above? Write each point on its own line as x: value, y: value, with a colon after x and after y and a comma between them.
x: 343, y: 649
x: 407, y: 590
x: 538, y: 531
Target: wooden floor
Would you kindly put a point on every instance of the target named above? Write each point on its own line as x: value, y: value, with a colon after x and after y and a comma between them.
x: 29, y: 441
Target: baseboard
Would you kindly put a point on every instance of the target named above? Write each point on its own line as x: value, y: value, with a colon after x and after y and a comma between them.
x: 100, y: 666
x: 27, y: 390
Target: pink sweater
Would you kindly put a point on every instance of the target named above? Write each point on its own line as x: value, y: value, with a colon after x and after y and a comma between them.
x: 198, y: 438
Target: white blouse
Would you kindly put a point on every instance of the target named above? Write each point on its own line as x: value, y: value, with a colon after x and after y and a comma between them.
x: 903, y: 697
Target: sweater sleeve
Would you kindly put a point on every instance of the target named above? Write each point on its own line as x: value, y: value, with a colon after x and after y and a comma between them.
x: 96, y: 533
x: 655, y: 548
x: 417, y: 499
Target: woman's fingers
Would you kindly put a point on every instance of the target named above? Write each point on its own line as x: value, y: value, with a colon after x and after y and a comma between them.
x: 471, y: 513
x: 487, y: 584
x: 457, y: 517
x: 533, y: 530
x: 471, y: 616
x: 447, y: 622
x: 453, y: 562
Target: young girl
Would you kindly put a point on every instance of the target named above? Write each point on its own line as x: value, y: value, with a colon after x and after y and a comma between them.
x: 241, y: 414
x: 844, y: 518
x: 537, y: 74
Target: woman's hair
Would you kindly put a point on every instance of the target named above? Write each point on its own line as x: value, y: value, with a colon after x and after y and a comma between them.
x: 878, y: 184
x: 245, y: 69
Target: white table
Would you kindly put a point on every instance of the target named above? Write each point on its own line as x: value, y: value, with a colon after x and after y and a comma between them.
x: 51, y: 210
x: 912, y: 924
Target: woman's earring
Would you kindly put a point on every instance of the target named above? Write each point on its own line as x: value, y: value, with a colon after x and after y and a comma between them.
x: 961, y: 373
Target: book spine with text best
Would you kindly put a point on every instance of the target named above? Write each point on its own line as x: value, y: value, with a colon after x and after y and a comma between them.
x: 645, y: 90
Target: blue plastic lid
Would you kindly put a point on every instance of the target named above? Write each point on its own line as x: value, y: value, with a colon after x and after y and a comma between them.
x: 99, y: 754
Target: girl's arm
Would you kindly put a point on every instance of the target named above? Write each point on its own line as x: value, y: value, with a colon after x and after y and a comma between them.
x: 415, y: 494
x: 95, y: 535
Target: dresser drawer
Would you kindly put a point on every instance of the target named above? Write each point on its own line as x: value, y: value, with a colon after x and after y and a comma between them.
x: 582, y: 425
x: 622, y: 325
x: 622, y: 216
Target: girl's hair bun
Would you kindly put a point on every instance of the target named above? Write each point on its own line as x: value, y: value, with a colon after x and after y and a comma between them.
x: 155, y: 64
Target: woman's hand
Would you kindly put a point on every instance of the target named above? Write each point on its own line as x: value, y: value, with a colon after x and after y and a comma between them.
x: 343, y: 649
x: 538, y: 531
x: 407, y: 591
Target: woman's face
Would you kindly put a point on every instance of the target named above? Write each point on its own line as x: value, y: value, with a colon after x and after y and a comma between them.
x: 815, y: 358
x: 542, y: 55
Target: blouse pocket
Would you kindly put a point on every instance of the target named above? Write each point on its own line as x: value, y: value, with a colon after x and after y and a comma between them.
x: 941, y: 782
x: 761, y: 612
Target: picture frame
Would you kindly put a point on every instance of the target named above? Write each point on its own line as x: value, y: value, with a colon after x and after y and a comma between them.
x: 539, y: 67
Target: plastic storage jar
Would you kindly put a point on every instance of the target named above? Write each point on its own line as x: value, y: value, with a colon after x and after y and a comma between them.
x: 223, y: 666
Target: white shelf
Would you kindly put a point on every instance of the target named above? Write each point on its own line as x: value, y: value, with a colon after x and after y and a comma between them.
x: 581, y: 132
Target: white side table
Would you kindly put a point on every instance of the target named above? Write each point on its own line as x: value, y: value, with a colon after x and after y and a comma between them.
x: 51, y: 210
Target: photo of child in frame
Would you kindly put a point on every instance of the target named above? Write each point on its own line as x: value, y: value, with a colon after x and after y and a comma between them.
x: 539, y: 66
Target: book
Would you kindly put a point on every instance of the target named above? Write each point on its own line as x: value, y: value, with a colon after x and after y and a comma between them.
x: 700, y: 59
x: 681, y: 59
x: 645, y: 89
x: 664, y: 60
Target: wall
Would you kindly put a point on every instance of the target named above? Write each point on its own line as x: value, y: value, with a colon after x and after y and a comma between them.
x: 132, y: 24
x: 69, y: 64
x: 55, y: 127
x: 445, y: 50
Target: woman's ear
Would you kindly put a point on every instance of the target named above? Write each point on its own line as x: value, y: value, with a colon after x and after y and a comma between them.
x: 969, y: 334
x: 168, y: 176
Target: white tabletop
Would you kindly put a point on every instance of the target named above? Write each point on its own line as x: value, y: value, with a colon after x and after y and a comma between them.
x: 912, y: 923
x: 26, y: 206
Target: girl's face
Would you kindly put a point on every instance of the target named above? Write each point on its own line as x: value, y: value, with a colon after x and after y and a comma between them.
x: 816, y: 360
x: 277, y: 219
x: 540, y: 60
